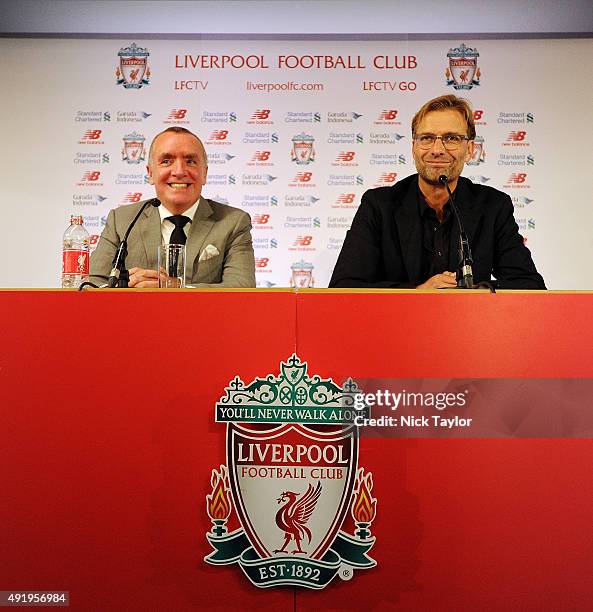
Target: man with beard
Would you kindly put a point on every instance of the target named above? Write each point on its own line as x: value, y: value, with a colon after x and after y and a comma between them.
x: 406, y: 236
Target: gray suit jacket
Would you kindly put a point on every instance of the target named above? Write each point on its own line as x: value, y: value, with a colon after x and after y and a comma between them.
x: 225, y: 227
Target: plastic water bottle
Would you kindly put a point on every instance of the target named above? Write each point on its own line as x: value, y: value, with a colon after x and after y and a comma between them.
x: 75, y: 254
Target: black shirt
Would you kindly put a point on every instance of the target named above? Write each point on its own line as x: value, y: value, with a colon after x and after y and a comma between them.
x: 436, y: 241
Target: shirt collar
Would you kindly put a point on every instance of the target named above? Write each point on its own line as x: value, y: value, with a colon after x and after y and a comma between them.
x: 190, y: 212
x: 426, y: 211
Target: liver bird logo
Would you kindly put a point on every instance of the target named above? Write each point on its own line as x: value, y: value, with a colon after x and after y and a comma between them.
x: 293, y: 516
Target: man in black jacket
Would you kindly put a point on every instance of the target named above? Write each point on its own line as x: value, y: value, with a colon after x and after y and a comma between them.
x: 406, y: 236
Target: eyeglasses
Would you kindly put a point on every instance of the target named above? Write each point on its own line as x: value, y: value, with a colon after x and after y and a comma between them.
x: 450, y: 141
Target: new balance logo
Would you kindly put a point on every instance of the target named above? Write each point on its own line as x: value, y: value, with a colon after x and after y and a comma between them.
x: 388, y: 115
x: 133, y: 197
x: 261, y: 114
x: 92, y: 135
x: 261, y: 219
x: 518, y: 136
x: 261, y: 156
x: 178, y: 114
x: 219, y: 135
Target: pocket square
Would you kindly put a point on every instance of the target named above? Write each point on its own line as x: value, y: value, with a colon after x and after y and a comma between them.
x: 208, y: 253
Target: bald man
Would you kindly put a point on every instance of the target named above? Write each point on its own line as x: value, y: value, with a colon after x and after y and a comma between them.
x: 219, y: 251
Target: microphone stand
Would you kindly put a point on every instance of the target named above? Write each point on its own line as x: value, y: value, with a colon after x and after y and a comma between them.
x: 465, y: 275
x: 120, y: 276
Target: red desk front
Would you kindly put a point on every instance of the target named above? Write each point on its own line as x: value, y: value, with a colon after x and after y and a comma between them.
x: 108, y: 442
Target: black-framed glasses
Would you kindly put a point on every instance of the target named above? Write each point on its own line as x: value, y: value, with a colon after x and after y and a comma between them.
x: 450, y: 141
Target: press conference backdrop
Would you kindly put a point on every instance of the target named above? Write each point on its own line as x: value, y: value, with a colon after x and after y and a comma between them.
x: 295, y: 132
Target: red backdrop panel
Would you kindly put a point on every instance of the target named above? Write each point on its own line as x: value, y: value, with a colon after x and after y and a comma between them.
x: 464, y: 524
x: 108, y: 442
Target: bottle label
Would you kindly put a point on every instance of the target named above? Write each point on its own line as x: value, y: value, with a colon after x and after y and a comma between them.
x: 75, y: 261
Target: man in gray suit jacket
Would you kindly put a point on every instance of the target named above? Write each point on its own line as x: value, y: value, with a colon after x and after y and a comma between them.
x: 219, y: 251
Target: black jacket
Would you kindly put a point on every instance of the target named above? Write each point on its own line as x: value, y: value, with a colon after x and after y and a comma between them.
x: 383, y: 248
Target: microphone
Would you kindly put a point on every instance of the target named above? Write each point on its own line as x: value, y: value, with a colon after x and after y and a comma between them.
x: 119, y: 275
x: 465, y: 275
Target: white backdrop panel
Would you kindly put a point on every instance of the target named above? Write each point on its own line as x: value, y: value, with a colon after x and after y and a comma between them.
x: 65, y: 120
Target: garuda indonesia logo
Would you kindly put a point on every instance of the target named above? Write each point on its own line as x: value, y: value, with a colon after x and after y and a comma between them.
x: 292, y: 478
x: 463, y: 71
x: 133, y: 70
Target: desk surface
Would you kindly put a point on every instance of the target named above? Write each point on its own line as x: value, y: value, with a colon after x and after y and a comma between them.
x: 109, y: 440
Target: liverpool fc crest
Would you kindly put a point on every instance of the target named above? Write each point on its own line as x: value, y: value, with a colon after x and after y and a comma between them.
x: 463, y: 71
x: 302, y: 275
x: 479, y: 153
x: 133, y: 70
x: 302, y: 151
x: 133, y: 150
x: 293, y: 480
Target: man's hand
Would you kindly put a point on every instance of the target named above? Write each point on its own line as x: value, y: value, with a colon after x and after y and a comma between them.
x: 143, y: 278
x: 446, y: 280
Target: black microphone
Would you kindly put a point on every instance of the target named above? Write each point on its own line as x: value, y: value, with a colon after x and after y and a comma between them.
x: 119, y: 275
x: 465, y: 275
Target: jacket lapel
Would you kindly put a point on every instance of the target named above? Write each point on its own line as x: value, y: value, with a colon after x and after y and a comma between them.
x: 200, y: 228
x: 150, y: 230
x: 409, y: 229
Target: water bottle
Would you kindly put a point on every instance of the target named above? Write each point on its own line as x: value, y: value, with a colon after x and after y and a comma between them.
x: 75, y: 254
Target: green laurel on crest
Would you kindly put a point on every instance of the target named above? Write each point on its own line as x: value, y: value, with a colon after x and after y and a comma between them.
x: 290, y: 397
